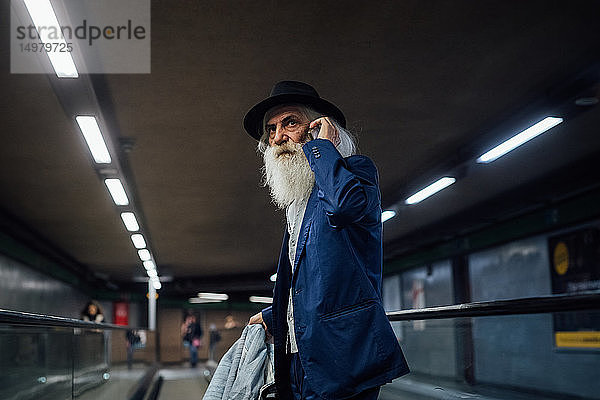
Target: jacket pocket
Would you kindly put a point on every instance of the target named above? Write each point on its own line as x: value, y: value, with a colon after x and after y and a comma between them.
x: 346, y: 310
x: 348, y: 352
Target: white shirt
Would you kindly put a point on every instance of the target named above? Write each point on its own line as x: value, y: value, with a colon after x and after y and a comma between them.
x: 294, y: 215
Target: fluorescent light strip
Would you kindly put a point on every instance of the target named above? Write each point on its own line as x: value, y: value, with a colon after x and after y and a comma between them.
x: 130, y: 222
x: 387, y: 214
x: 144, y: 255
x: 260, y: 299
x: 43, y: 15
x: 213, y: 296
x: 148, y: 265
x: 138, y: 241
x: 430, y: 190
x: 196, y: 300
x: 117, y: 191
x: 93, y: 137
x: 519, y: 139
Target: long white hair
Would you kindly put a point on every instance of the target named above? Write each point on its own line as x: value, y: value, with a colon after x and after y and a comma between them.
x: 289, y: 176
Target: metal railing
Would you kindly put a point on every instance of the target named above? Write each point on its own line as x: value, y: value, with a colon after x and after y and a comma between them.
x: 527, y: 305
x: 31, y: 319
x: 57, y: 357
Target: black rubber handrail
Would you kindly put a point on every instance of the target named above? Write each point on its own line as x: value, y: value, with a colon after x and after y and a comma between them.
x: 32, y: 319
x: 528, y: 305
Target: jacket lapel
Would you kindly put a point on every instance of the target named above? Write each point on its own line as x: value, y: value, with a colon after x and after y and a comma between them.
x: 283, y: 267
x: 305, y: 228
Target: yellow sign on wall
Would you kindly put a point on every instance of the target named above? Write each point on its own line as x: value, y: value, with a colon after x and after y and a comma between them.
x: 589, y: 339
x: 561, y: 258
x: 575, y: 268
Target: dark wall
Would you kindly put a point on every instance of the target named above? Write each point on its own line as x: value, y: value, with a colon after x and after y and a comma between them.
x: 24, y: 289
x: 519, y: 350
x: 515, y: 351
x: 429, y: 346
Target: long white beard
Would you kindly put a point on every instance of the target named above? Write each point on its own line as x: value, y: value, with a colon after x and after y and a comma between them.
x: 287, y: 173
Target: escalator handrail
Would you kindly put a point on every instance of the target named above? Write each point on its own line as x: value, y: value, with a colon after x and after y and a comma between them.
x: 528, y: 305
x: 32, y: 319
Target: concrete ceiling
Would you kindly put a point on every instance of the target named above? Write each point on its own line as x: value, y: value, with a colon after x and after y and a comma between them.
x: 425, y: 85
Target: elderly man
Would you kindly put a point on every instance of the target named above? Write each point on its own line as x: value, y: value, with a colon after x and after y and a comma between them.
x: 332, y: 337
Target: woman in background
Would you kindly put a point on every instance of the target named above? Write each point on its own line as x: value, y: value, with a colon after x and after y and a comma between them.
x: 92, y: 312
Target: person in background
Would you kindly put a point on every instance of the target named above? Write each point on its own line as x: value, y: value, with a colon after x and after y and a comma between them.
x: 92, y: 312
x: 133, y: 338
x: 230, y: 323
x: 214, y: 338
x: 191, y: 331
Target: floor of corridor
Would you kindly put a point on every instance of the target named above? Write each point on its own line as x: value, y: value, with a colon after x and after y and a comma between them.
x: 183, y: 383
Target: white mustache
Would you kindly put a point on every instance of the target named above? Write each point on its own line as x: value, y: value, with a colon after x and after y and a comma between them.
x: 287, y: 147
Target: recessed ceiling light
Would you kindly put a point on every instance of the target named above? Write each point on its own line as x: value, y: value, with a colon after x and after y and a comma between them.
x: 430, y: 190
x: 260, y: 299
x: 586, y: 101
x: 43, y: 16
x: 387, y: 214
x: 149, y: 265
x: 138, y: 241
x: 213, y: 296
x: 130, y: 221
x: 93, y: 137
x: 144, y: 255
x: 196, y: 300
x: 115, y: 187
x: 519, y: 139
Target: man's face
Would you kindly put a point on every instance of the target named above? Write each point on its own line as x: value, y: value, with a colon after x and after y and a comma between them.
x: 285, y: 124
x: 287, y: 172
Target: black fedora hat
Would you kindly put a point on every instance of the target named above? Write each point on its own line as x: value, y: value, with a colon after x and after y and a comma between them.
x: 289, y: 92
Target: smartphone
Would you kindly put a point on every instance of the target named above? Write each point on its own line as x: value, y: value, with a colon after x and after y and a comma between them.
x: 314, y: 132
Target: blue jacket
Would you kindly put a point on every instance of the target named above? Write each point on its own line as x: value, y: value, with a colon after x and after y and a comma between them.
x: 345, y: 341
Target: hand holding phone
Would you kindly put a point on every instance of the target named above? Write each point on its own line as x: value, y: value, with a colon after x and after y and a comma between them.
x: 326, y: 130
